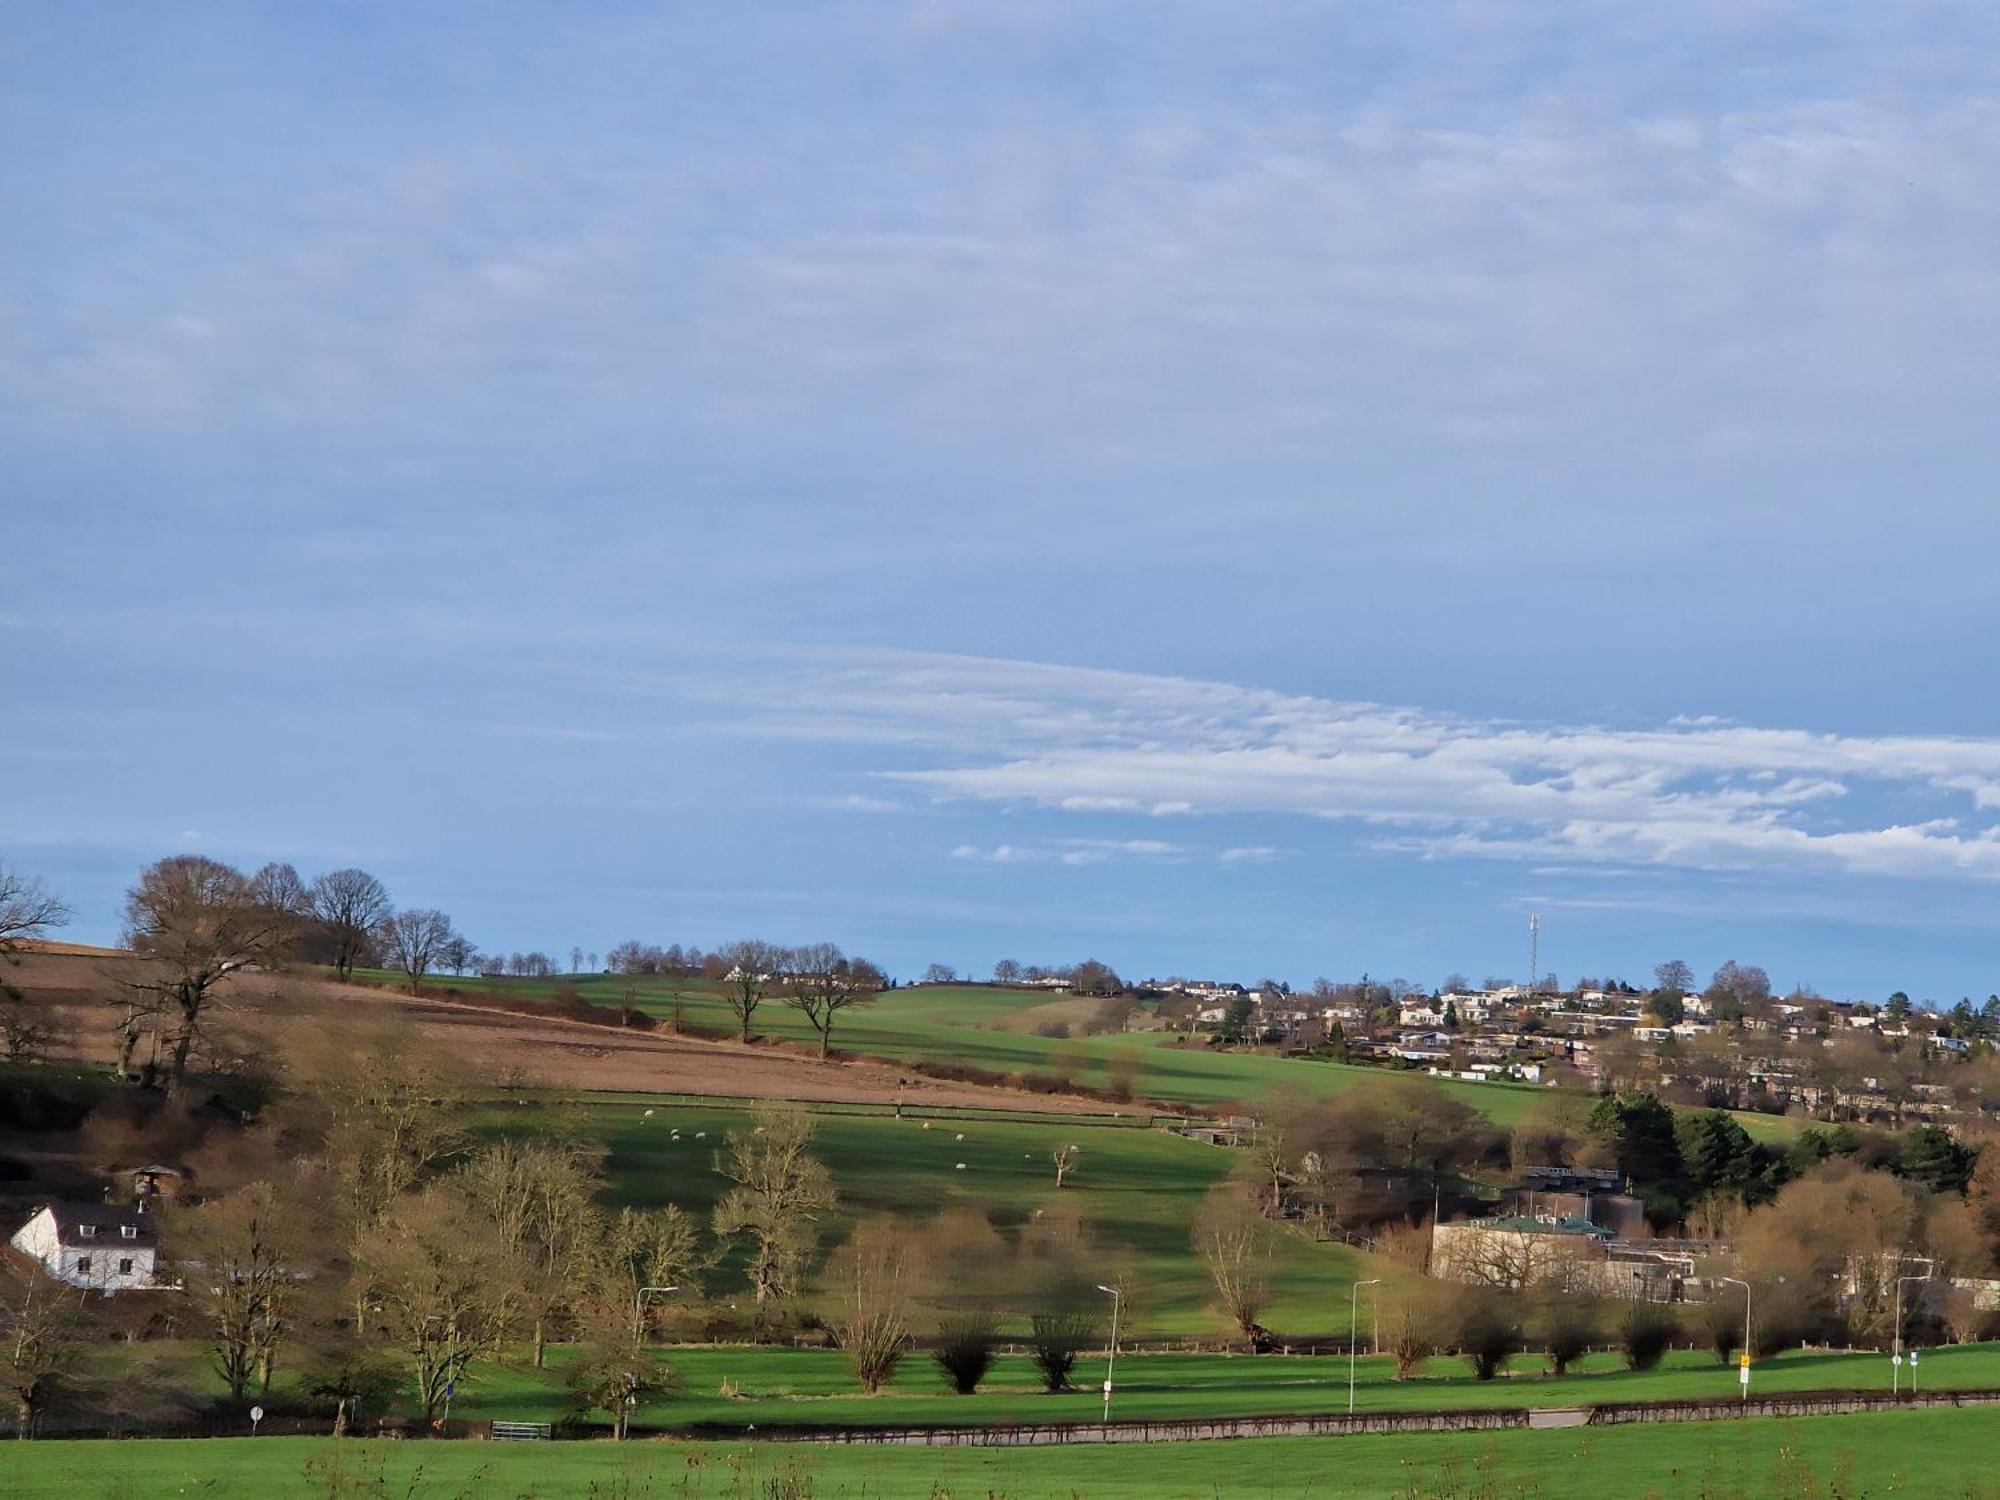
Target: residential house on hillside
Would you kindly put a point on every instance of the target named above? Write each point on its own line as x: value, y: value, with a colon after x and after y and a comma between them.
x: 93, y: 1245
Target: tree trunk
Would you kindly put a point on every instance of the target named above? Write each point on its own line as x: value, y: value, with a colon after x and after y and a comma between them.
x: 541, y: 1340
x: 340, y: 1416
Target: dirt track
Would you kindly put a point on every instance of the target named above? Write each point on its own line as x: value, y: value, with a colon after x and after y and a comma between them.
x: 499, y: 1047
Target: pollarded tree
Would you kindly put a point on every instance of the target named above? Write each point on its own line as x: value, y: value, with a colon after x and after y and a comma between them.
x: 875, y: 1279
x: 200, y: 922
x: 781, y: 1191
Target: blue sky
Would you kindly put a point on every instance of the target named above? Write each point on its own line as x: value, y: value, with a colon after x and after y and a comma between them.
x: 1267, y: 488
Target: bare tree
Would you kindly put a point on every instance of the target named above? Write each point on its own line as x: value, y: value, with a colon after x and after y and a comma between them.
x: 1065, y: 1158
x: 540, y: 1199
x: 940, y: 974
x: 780, y: 1191
x: 615, y: 1373
x: 197, y: 919
x: 350, y: 905
x: 27, y: 912
x: 414, y: 941
x: 820, y: 982
x: 575, y: 960
x: 874, y: 1280
x: 278, y: 887
x: 645, y: 1247
x: 1234, y: 1242
x: 44, y: 1337
x: 442, y: 1287
x: 251, y: 1249
x: 753, y: 965
x: 1007, y: 972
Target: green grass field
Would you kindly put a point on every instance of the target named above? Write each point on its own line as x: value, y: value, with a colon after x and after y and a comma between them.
x: 791, y: 1387
x: 1138, y: 1191
x: 1924, y: 1454
x: 959, y: 1024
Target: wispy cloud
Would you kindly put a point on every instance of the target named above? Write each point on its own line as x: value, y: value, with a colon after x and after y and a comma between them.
x: 1688, y: 794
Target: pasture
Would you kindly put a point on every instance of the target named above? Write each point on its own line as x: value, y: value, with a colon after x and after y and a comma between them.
x: 1137, y: 1191
x: 1926, y: 1453
x: 974, y: 1026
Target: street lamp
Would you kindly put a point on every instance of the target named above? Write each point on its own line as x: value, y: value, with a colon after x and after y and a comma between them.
x: 1744, y: 1377
x: 1896, y: 1350
x: 1111, y: 1360
x: 639, y: 1302
x: 1353, y: 1322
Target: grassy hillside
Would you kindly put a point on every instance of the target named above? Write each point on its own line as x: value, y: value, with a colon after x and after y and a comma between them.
x: 971, y: 1025
x: 1137, y: 1189
x: 1943, y: 1453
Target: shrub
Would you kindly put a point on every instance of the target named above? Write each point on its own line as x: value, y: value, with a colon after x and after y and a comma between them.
x: 1567, y: 1329
x: 965, y: 1348
x: 1720, y: 1325
x: 1488, y: 1334
x: 1644, y: 1334
x: 1056, y: 1336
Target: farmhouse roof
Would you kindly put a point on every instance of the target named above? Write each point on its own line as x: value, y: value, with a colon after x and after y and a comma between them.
x: 79, y: 1225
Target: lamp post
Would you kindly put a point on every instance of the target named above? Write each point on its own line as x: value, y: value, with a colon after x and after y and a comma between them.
x: 1111, y: 1359
x: 1744, y: 1377
x: 639, y: 1302
x: 1896, y: 1349
x: 1353, y: 1322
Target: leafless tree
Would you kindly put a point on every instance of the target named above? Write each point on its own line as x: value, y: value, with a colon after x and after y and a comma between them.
x: 753, y: 966
x: 44, y: 1338
x: 248, y: 1254
x: 820, y: 982
x: 875, y: 1279
x: 278, y: 886
x: 540, y: 1199
x: 576, y: 960
x: 615, y: 1373
x: 350, y: 904
x: 197, y: 920
x: 414, y: 941
x: 441, y: 1286
x: 781, y: 1190
x: 1234, y: 1242
x: 27, y: 911
x: 940, y: 974
x: 1065, y: 1158
x: 1007, y: 972
x: 645, y: 1247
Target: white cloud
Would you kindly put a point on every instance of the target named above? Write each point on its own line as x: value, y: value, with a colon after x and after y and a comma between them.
x: 1691, y: 794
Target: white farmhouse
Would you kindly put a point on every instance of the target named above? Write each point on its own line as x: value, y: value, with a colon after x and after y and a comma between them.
x: 92, y: 1245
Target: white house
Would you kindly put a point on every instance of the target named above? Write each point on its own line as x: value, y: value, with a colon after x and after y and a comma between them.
x: 92, y: 1245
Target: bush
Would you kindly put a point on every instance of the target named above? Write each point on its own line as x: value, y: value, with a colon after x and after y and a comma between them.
x: 1567, y: 1330
x: 1644, y: 1334
x: 1057, y: 1335
x: 1720, y: 1325
x: 1488, y: 1334
x: 965, y: 1348
x: 1055, y: 1030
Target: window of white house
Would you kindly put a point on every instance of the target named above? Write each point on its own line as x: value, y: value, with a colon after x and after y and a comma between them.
x: 87, y: 1231
x: 125, y: 1266
x: 83, y: 1265
x: 128, y: 1231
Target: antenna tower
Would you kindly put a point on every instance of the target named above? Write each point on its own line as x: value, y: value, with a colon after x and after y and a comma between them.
x: 1534, y: 952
